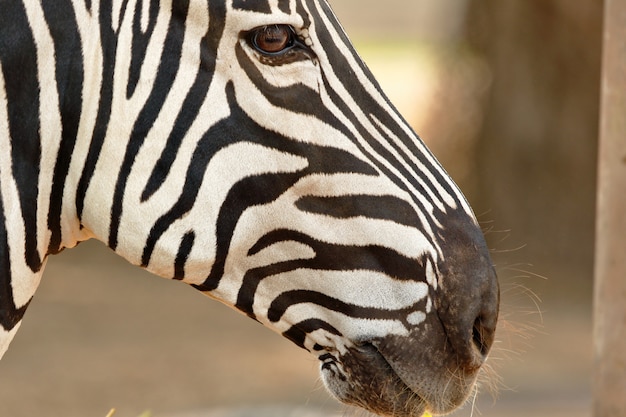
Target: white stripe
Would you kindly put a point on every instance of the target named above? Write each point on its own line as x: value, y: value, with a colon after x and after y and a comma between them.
x: 89, y: 33
x: 49, y: 116
x: 124, y: 113
x: 145, y: 15
x: 357, y: 288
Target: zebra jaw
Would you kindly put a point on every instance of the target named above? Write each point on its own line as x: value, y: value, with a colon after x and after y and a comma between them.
x: 362, y: 377
x: 402, y: 376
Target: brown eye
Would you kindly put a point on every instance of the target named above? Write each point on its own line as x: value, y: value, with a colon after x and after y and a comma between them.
x: 273, y: 39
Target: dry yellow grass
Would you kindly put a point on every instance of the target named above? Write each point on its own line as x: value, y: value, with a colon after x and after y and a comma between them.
x: 144, y: 414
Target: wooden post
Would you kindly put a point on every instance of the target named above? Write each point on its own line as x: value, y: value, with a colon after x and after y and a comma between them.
x: 610, y: 269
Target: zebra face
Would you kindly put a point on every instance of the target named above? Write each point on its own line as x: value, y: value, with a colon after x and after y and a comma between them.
x: 298, y: 195
x: 243, y: 147
x: 336, y: 226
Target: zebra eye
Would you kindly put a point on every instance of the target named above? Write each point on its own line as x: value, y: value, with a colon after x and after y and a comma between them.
x: 273, y: 39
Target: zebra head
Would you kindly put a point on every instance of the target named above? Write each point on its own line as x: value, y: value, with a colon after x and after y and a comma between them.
x: 244, y: 148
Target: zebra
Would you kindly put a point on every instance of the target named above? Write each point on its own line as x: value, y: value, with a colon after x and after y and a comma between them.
x: 243, y: 147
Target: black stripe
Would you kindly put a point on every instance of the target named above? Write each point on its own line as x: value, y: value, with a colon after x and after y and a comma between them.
x: 141, y: 41
x: 69, y: 74
x: 300, y: 10
x: 252, y: 191
x: 18, y: 58
x: 109, y: 47
x: 288, y: 299
x: 9, y: 314
x: 259, y: 6
x: 385, y: 207
x: 297, y: 333
x: 168, y: 67
x: 183, y: 253
x: 297, y: 98
x: 120, y: 18
x: 284, y: 6
x: 194, y: 100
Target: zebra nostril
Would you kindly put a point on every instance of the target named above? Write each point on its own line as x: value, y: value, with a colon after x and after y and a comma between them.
x: 470, y: 325
x: 481, y: 336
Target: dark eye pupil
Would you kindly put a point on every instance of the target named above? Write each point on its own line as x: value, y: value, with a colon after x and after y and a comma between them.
x: 273, y: 39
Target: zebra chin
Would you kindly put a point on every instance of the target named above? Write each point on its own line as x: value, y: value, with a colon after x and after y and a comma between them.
x: 404, y: 375
x: 363, y: 378
x: 366, y: 378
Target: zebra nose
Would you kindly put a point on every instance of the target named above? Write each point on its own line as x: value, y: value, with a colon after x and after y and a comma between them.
x: 469, y: 316
x: 483, y: 332
x: 468, y: 302
x: 483, y: 329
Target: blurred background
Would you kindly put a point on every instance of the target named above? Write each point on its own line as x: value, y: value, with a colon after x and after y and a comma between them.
x: 506, y: 95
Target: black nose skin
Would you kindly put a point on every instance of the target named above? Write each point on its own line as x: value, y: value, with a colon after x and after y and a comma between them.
x: 468, y: 298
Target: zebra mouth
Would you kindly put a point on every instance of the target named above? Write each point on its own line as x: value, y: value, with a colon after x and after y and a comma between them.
x: 364, y: 378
